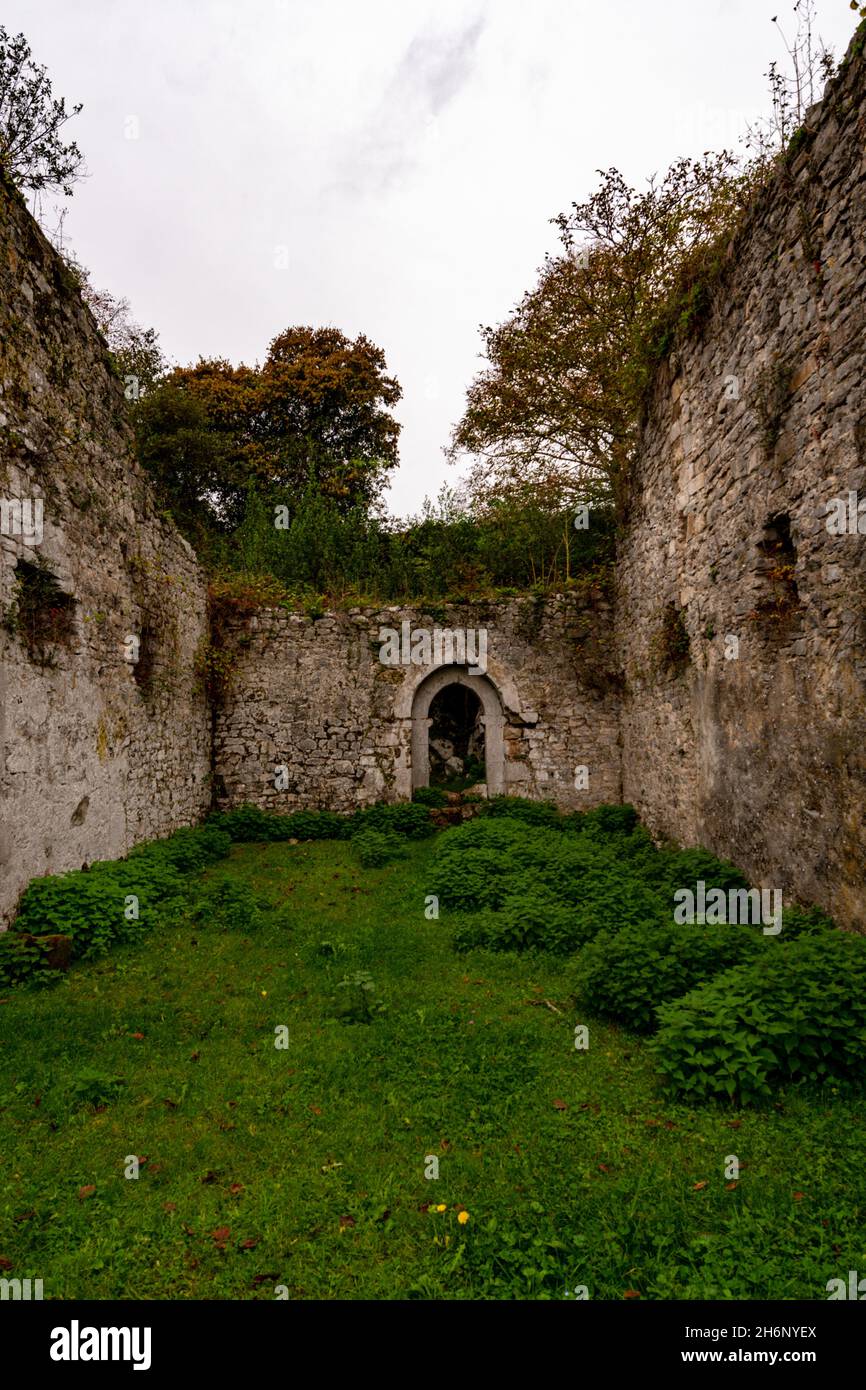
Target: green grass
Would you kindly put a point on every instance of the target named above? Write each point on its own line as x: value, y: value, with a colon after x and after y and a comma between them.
x: 304, y: 1167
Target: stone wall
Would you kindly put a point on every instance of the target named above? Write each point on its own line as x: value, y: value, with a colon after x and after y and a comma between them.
x: 98, y: 752
x: 756, y: 747
x: 726, y: 700
x: 313, y: 696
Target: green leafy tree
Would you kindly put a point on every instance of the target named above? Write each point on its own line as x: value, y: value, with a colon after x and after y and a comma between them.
x: 188, y: 460
x: 136, y: 353
x: 31, y: 119
x: 316, y: 413
x: 559, y: 400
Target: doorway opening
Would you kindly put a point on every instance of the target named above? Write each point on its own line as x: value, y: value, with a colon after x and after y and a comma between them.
x: 456, y: 739
x: 450, y: 706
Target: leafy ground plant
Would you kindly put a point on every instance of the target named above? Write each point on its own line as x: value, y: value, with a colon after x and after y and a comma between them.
x: 305, y: 1164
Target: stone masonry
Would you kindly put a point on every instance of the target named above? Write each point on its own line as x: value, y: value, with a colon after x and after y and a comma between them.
x: 756, y: 748
x: 721, y: 689
x: 96, y: 752
x: 313, y: 696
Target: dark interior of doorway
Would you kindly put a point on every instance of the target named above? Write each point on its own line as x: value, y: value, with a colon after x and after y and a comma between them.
x: 456, y: 739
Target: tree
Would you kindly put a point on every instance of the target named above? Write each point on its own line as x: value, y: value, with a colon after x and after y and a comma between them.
x: 316, y: 412
x: 185, y: 456
x: 811, y: 66
x: 135, y: 351
x: 31, y: 148
x: 559, y: 401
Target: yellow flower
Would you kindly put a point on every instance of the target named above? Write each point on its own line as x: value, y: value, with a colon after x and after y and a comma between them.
x: 463, y: 1217
x: 442, y: 1208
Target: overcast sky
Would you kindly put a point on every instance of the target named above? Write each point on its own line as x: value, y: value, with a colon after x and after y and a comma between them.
x: 386, y: 166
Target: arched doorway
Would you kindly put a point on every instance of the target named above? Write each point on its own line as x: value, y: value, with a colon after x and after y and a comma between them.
x: 450, y: 706
x: 455, y: 740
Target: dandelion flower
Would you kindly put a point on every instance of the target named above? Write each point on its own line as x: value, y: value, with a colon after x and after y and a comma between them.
x: 442, y: 1208
x: 463, y: 1217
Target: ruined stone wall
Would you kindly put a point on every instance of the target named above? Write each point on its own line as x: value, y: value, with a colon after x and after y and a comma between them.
x: 96, y: 753
x: 313, y: 696
x: 756, y: 747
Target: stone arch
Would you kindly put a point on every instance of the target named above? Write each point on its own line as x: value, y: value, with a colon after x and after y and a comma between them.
x: 493, y: 718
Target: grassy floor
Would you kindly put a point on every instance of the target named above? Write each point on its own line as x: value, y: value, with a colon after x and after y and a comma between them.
x: 304, y: 1167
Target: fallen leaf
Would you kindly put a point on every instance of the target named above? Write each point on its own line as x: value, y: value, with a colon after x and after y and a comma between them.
x: 735, y: 1124
x: 210, y: 1176
x: 603, y: 1168
x: 265, y: 1279
x: 84, y: 1192
x: 236, y: 1189
x: 798, y: 1196
x: 138, y: 1036
x: 315, y: 1109
x: 699, y: 1186
x: 729, y: 1186
x: 560, y: 1105
x: 195, y: 1056
x: 346, y: 1221
x: 632, y: 1293
x: 5, y: 1262
x: 169, y: 1206
x: 248, y: 1244
x: 221, y: 1235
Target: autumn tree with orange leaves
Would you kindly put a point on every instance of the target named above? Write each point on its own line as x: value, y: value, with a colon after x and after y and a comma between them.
x: 557, y: 406
x: 317, y: 412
